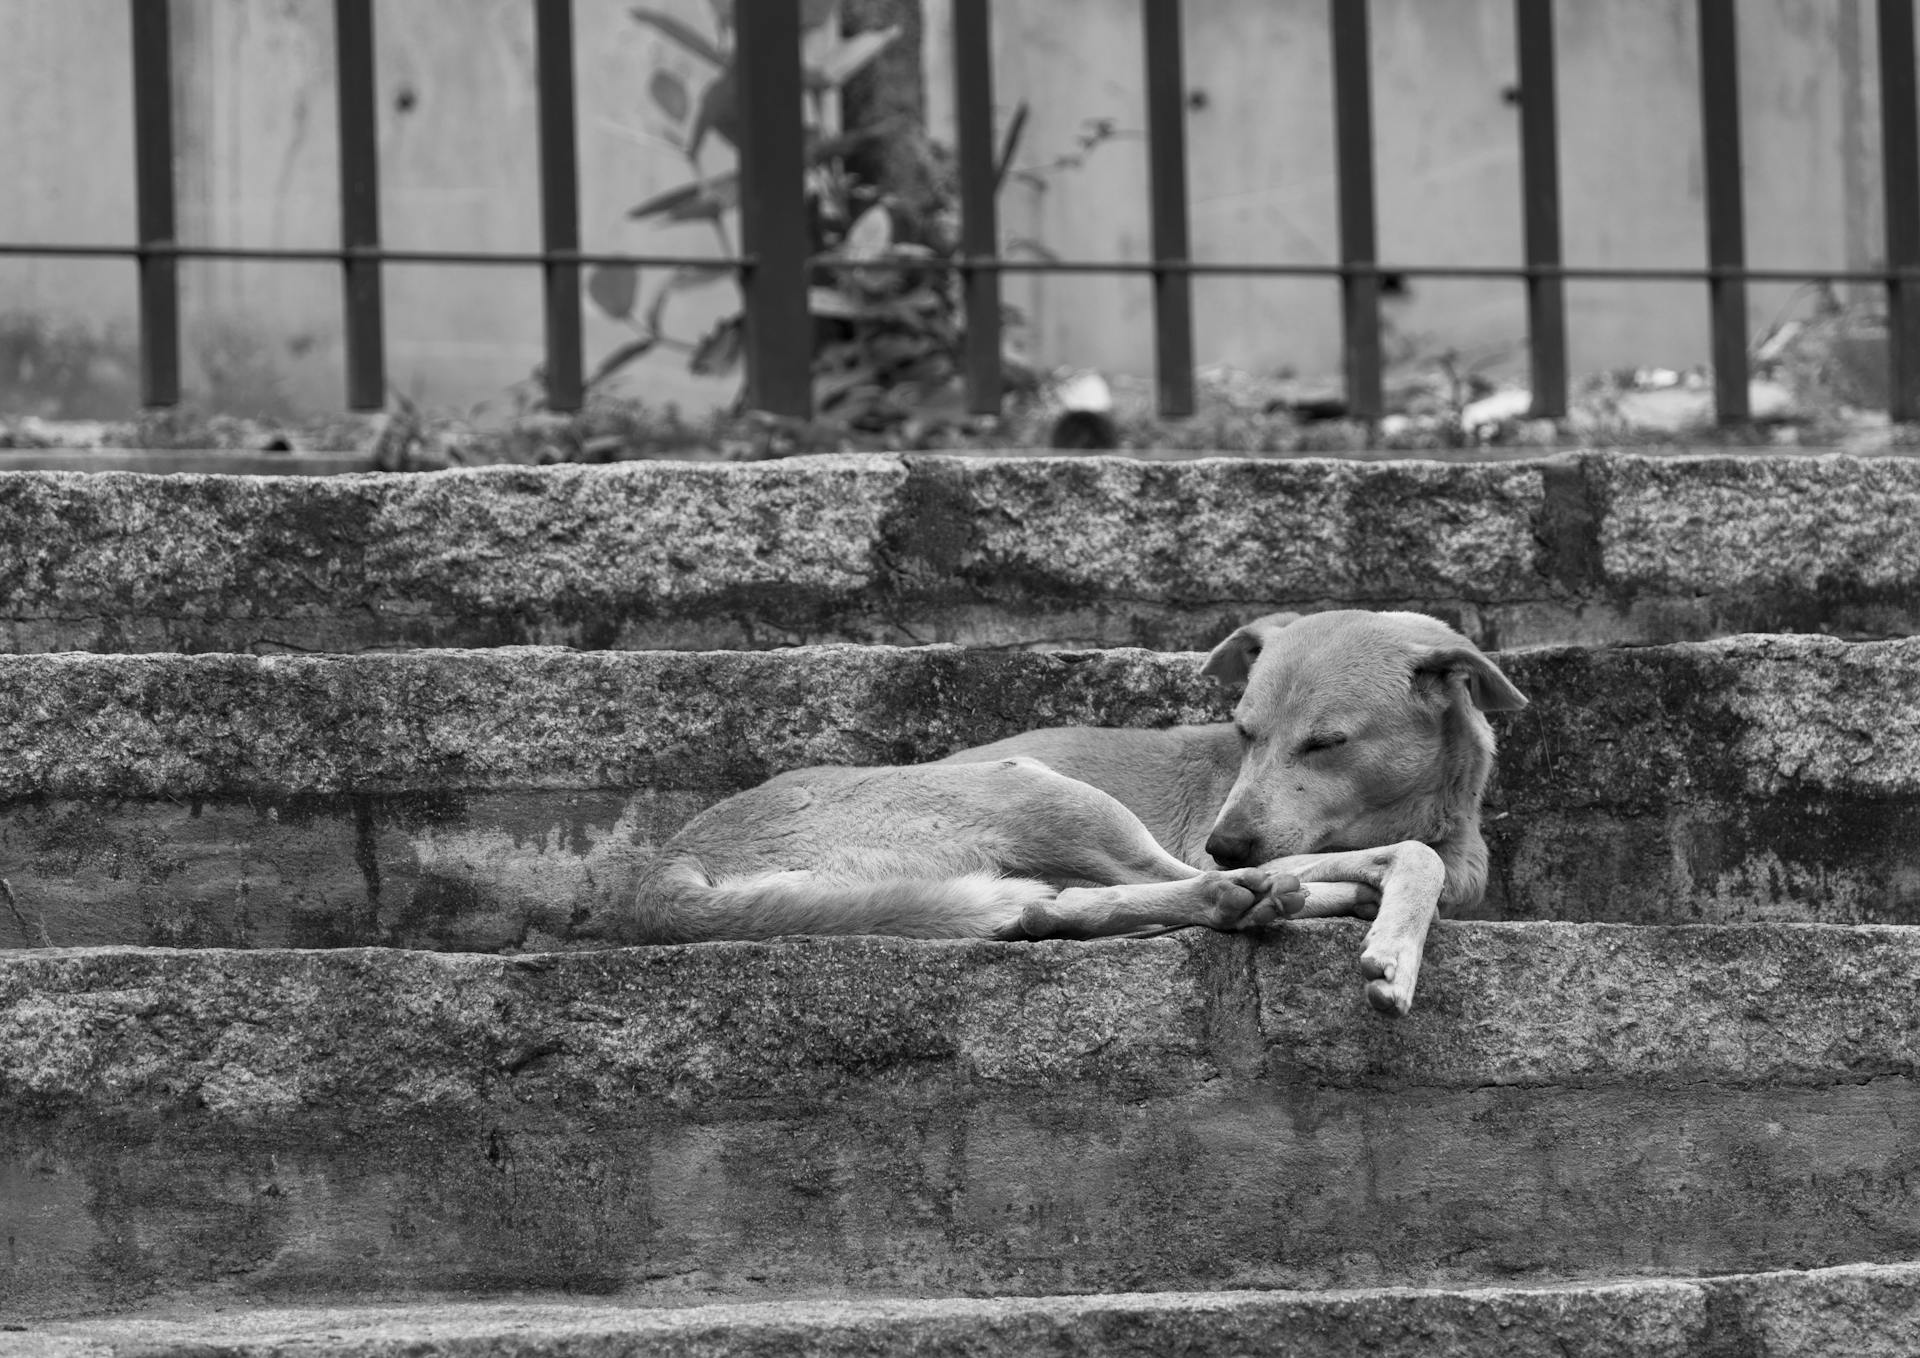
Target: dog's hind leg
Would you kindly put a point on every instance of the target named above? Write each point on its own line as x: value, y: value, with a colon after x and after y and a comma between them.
x: 1245, y: 898
x: 1396, y: 886
x: 1009, y: 849
x: 678, y: 903
x: 1135, y: 887
x: 681, y: 906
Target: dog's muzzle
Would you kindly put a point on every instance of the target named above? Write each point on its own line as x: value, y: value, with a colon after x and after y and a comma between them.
x: 1232, y: 851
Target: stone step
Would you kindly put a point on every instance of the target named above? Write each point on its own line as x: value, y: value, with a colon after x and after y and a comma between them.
x: 875, y: 1116
x: 498, y: 799
x: 1005, y: 552
x: 1861, y: 1312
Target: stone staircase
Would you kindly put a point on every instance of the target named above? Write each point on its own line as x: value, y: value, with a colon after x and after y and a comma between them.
x: 300, y: 1051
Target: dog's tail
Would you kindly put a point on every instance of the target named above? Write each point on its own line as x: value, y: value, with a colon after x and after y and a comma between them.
x: 678, y: 903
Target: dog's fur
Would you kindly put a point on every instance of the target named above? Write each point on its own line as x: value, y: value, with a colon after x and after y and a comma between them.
x: 1349, y: 782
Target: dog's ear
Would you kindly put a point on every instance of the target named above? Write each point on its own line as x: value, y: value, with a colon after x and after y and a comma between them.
x: 1232, y: 660
x: 1490, y: 690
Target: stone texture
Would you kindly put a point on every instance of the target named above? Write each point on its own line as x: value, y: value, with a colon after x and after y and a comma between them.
x: 1569, y: 1004
x: 247, y: 1034
x: 462, y: 871
x: 878, y: 1116
x: 1857, y: 1312
x: 1646, y: 1320
x: 1864, y: 1311
x: 118, y: 561
x: 890, y: 1187
x: 78, y: 725
x: 1013, y: 552
x: 1758, y: 716
x: 1228, y: 531
x: 1769, y: 525
x: 1632, y: 730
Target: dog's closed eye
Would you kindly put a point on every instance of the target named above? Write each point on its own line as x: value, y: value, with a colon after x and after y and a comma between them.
x: 1322, y: 740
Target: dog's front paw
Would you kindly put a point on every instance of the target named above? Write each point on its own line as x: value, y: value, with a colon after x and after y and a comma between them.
x: 1389, y: 982
x: 1250, y: 898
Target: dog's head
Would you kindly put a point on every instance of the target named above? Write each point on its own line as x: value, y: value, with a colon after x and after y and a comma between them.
x: 1357, y: 730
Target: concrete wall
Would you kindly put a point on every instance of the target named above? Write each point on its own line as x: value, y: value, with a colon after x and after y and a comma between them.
x: 258, y: 166
x: 258, y: 151
x: 1262, y: 172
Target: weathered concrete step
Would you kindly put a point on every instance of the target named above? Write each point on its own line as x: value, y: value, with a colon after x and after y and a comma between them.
x: 997, y: 551
x: 499, y: 799
x: 1863, y: 1311
x: 874, y: 1116
x: 190, y: 461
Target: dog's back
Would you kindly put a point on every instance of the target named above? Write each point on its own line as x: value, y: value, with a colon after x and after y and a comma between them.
x: 1174, y: 779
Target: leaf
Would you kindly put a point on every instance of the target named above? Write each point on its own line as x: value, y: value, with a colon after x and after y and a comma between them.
x: 719, y: 350
x: 943, y: 403
x: 667, y: 201
x: 913, y: 307
x: 629, y: 352
x: 889, y: 351
x: 869, y: 407
x: 697, y: 202
x: 686, y: 277
x: 870, y: 236
x: 1023, y: 245
x: 839, y: 356
x: 820, y: 150
x: 851, y: 57
x: 613, y: 288
x: 856, y: 403
x: 699, y: 275
x: 830, y: 387
x: 719, y: 113
x: 1016, y: 127
x: 833, y: 304
x: 690, y: 38
x: 670, y: 95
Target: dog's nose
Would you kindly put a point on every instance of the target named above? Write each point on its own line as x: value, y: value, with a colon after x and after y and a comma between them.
x: 1230, y: 851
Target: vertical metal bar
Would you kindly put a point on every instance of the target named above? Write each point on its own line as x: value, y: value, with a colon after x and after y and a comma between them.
x: 1726, y: 213
x: 1540, y: 205
x: 979, y: 213
x: 1900, y: 152
x: 153, y: 189
x: 559, y: 199
x: 1353, y: 148
x: 773, y: 207
x: 360, y: 204
x: 1167, y: 167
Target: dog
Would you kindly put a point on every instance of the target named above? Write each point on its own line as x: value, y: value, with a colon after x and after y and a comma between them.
x: 1348, y: 783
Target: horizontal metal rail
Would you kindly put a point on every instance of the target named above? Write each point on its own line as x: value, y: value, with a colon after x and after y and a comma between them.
x: 323, y: 254
x: 775, y: 269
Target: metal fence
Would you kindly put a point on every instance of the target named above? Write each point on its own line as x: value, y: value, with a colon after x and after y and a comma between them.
x: 775, y: 269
